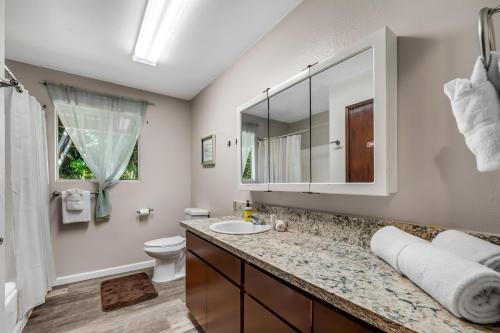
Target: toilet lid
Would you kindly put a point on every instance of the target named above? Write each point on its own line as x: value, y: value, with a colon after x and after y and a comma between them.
x: 165, y: 242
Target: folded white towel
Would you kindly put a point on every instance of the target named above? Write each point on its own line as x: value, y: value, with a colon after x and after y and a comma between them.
x: 469, y: 247
x: 467, y: 289
x: 74, y: 199
x: 389, y: 241
x: 476, y: 106
x: 70, y: 205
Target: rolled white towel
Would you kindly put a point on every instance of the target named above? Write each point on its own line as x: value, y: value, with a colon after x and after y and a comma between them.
x: 389, y: 241
x: 469, y: 247
x: 467, y: 289
x: 476, y: 107
x: 494, y: 70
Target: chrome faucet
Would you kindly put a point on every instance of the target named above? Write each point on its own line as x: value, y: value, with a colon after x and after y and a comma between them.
x: 258, y: 221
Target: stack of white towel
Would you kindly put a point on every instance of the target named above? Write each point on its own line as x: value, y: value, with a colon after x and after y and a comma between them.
x: 75, y: 206
x: 458, y: 270
x: 476, y: 106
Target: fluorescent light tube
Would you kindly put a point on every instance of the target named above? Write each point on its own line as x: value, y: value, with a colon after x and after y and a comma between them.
x: 159, y: 25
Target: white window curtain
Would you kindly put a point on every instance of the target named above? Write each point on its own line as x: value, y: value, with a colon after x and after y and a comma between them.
x: 28, y: 198
x: 104, y: 129
x: 248, y: 149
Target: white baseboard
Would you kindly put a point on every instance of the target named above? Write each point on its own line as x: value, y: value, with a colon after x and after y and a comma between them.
x: 102, y: 272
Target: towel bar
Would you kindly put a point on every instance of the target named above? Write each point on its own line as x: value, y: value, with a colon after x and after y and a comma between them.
x: 487, y: 34
x: 58, y: 193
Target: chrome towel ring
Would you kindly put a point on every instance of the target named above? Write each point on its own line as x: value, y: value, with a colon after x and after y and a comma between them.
x: 487, y: 34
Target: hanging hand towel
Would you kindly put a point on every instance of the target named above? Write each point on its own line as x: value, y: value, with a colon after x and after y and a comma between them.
x: 69, y: 203
x: 476, y: 106
x: 389, y: 241
x: 469, y: 247
x: 465, y: 288
x: 494, y: 70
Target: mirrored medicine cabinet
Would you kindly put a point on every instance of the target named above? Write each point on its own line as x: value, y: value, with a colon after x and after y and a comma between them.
x: 332, y: 128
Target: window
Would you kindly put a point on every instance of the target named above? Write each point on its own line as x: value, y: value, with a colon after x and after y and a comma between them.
x: 72, y: 166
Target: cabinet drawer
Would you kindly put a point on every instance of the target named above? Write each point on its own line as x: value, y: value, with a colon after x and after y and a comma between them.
x: 223, y: 261
x: 327, y: 320
x: 291, y: 305
x: 258, y: 319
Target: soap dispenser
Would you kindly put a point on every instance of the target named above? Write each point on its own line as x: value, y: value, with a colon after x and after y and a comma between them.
x: 247, y: 212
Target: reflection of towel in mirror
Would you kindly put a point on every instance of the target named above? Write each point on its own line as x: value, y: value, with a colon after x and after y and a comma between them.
x: 469, y: 247
x: 476, y: 107
x: 75, y: 206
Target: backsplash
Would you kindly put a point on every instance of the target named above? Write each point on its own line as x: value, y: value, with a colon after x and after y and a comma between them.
x: 355, y: 230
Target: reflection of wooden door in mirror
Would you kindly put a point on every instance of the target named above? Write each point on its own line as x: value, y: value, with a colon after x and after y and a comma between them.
x: 359, y: 142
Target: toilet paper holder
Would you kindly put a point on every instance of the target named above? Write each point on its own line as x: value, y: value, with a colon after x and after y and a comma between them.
x: 150, y: 210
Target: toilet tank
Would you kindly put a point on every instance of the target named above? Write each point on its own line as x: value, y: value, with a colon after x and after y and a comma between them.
x: 196, y: 213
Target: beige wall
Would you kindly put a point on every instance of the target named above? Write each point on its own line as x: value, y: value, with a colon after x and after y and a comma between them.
x: 164, y: 184
x: 438, y: 181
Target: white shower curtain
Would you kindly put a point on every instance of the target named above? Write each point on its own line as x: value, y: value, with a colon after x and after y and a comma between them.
x: 285, y: 165
x: 262, y: 162
x: 29, y: 198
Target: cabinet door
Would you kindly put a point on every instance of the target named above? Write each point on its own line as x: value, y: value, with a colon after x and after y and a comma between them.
x: 223, y: 304
x: 196, y: 283
x: 326, y: 320
x: 258, y: 319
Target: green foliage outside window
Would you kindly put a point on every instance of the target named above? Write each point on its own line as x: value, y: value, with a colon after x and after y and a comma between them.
x: 72, y: 165
x: 247, y: 171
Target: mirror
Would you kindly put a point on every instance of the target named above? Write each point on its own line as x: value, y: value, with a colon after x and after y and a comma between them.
x: 342, y: 131
x: 289, y: 135
x: 254, y: 164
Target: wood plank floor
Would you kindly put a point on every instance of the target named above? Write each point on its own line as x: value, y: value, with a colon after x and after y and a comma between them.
x: 76, y: 308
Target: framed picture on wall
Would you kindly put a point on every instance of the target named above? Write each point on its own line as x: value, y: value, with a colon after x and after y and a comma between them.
x: 208, y: 150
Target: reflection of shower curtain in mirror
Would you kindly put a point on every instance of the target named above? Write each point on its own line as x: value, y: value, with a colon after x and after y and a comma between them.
x: 285, y: 162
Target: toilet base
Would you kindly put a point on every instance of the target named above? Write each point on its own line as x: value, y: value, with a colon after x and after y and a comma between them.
x: 165, y: 271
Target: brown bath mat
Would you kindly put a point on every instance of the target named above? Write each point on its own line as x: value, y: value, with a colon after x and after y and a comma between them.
x: 125, y: 291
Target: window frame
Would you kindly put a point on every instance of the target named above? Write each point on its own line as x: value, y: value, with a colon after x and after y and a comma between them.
x: 92, y: 180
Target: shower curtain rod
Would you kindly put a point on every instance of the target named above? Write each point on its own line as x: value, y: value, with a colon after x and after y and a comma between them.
x: 45, y: 83
x: 294, y: 133
x: 13, y: 82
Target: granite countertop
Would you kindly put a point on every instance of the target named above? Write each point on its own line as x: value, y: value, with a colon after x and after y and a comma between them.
x: 347, y: 276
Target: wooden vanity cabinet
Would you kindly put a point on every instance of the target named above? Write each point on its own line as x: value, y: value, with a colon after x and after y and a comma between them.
x: 225, y: 294
x: 213, y: 299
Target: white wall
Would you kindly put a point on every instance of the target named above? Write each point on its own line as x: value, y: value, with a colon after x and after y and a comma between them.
x: 438, y: 41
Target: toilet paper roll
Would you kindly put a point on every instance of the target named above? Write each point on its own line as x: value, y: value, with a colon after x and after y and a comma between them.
x: 144, y: 212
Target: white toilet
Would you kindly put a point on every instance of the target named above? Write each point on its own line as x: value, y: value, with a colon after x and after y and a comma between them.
x: 169, y: 252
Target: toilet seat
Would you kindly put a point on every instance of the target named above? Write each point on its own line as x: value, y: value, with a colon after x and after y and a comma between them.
x: 165, y: 242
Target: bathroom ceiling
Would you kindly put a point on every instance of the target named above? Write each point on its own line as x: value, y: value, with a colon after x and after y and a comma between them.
x: 96, y: 39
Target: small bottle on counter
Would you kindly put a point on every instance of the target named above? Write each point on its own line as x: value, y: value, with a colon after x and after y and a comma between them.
x: 247, y: 212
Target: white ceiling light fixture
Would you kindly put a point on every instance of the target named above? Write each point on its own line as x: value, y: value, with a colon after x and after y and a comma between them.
x: 159, y: 25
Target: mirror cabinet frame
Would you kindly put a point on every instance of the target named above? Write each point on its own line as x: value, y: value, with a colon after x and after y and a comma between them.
x: 384, y: 47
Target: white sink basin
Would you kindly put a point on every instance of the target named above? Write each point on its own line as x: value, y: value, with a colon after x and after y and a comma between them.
x: 238, y: 227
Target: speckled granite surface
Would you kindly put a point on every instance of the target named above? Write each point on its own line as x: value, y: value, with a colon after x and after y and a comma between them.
x: 341, y: 273
x: 355, y: 230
